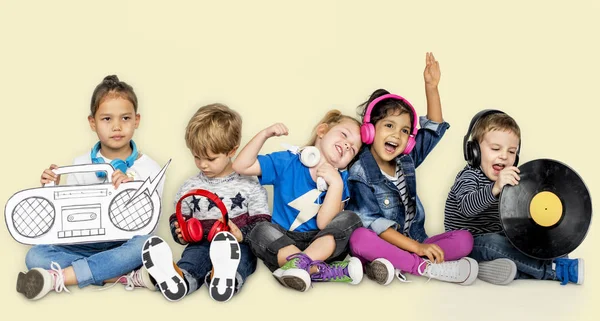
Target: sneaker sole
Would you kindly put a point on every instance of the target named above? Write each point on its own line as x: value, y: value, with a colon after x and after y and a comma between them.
x: 297, y: 283
x: 378, y: 271
x: 31, y: 284
x: 355, y: 270
x: 499, y: 271
x: 225, y: 258
x: 158, y: 261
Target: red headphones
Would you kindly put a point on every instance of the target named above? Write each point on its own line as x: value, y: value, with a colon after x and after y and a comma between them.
x: 191, y: 230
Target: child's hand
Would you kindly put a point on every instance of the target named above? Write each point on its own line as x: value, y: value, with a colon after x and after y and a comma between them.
x: 178, y: 232
x: 432, y: 251
x: 329, y: 174
x: 119, y: 177
x: 509, y: 175
x: 49, y: 176
x: 233, y: 229
x: 278, y: 129
x: 432, y: 72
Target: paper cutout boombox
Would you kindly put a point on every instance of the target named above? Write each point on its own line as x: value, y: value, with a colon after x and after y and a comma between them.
x: 84, y: 213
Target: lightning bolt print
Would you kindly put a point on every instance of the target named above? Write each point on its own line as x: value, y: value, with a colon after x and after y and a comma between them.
x: 150, y: 185
x: 307, y: 207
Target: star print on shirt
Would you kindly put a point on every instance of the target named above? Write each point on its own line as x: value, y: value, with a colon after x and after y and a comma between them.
x: 237, y: 201
x: 212, y: 204
x: 196, y: 202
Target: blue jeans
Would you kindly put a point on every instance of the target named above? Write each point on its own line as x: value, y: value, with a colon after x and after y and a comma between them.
x: 93, y: 263
x: 493, y: 246
x: 195, y: 264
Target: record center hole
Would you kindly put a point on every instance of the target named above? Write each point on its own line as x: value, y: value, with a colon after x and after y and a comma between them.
x: 552, y: 209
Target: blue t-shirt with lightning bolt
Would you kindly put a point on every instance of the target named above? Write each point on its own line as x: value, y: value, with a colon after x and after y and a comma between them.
x: 296, y: 199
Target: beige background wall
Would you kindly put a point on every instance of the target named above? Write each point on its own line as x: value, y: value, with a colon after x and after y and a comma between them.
x: 281, y: 61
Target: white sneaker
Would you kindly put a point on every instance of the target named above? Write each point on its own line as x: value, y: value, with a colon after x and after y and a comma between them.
x: 158, y: 261
x: 37, y: 282
x: 139, y: 278
x: 463, y: 271
x: 225, y: 257
x: 380, y: 270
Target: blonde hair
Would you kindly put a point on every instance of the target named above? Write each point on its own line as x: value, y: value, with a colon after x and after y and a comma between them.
x: 214, y: 128
x: 491, y: 122
x: 332, y: 118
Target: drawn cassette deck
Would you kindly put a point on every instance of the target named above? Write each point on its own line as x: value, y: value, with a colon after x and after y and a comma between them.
x: 84, y: 213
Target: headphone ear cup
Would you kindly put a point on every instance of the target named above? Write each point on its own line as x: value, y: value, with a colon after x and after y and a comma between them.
x: 410, y: 144
x: 310, y: 156
x: 475, y: 154
x: 367, y: 133
x: 194, y: 230
x: 120, y: 165
x: 216, y: 228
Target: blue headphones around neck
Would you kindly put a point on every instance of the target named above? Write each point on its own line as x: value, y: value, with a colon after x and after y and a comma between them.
x: 119, y: 164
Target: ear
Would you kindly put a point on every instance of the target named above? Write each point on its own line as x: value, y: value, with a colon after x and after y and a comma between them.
x: 322, y: 129
x: 137, y: 120
x: 92, y: 122
x: 233, y: 151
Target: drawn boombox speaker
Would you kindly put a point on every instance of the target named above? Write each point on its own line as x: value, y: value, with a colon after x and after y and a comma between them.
x: 84, y: 213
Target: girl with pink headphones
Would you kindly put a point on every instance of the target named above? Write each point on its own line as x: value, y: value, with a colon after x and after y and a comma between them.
x: 384, y: 193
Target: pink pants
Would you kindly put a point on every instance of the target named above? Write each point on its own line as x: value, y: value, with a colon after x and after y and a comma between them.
x: 367, y: 246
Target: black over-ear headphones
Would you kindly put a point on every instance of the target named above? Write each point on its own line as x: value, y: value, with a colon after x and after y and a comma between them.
x: 471, y: 149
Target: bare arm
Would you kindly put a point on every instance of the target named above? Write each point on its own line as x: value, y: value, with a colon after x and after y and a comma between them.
x: 246, y: 163
x: 332, y: 204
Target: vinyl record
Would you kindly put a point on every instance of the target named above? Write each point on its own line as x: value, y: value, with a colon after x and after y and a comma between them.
x: 547, y: 215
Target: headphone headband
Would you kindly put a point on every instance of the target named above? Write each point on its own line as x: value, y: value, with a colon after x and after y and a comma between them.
x: 367, y: 117
x: 202, y: 192
x: 119, y: 164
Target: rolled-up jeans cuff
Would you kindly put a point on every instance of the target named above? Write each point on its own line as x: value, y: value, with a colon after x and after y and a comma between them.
x: 83, y: 273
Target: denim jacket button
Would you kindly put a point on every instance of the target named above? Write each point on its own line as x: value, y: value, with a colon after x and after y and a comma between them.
x: 386, y: 202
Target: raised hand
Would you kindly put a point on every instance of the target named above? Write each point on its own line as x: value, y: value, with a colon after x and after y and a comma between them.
x: 432, y: 72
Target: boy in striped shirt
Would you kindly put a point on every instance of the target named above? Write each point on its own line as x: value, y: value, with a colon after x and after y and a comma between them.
x: 472, y: 204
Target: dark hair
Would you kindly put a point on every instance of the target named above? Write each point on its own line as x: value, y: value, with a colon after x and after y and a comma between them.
x: 384, y: 108
x: 112, y: 87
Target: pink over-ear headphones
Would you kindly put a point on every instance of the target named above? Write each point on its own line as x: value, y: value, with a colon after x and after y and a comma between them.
x: 367, y: 130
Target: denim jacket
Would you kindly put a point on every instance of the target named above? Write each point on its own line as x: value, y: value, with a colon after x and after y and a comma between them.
x: 377, y: 200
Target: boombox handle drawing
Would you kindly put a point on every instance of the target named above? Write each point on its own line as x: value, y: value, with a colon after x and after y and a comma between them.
x: 71, y: 214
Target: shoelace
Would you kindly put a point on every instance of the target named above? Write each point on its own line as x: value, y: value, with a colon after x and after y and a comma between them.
x: 303, y: 262
x: 59, y: 278
x: 330, y: 272
x: 133, y: 279
x: 435, y: 270
x: 401, y: 276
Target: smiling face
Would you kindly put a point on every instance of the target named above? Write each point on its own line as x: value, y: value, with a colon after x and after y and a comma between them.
x: 391, y: 136
x: 115, y: 122
x: 498, y: 150
x: 339, y: 144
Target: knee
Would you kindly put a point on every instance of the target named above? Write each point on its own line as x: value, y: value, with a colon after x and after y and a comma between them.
x: 37, y: 257
x: 347, y: 220
x: 137, y: 242
x: 359, y: 237
x: 466, y: 242
x: 262, y: 234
